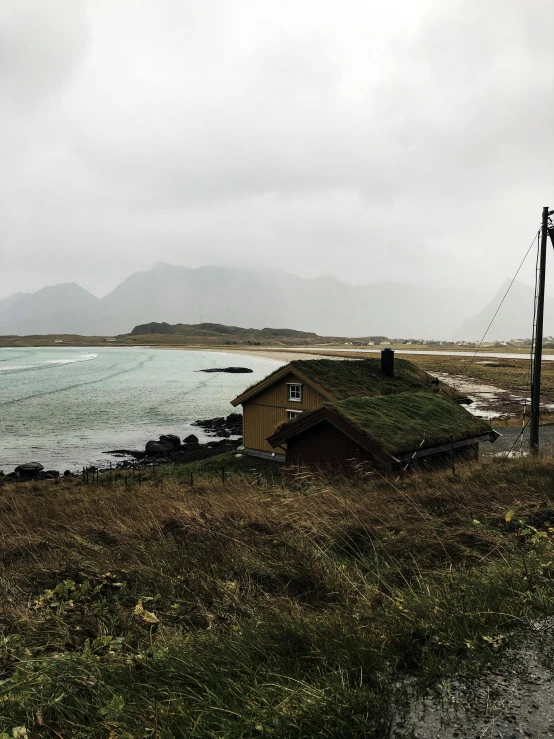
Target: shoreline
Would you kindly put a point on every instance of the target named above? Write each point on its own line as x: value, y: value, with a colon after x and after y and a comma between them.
x: 87, y: 442
x: 493, y: 402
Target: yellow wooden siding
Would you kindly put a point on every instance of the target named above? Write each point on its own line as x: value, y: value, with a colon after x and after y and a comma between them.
x: 265, y: 411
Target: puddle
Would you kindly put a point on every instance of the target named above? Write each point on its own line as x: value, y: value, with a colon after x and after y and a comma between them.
x: 489, y: 401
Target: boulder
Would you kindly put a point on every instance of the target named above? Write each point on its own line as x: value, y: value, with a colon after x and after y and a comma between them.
x: 191, y: 439
x: 234, y: 418
x: 173, y: 441
x: 67, y: 473
x: 157, y: 447
x: 51, y: 474
x: 29, y: 470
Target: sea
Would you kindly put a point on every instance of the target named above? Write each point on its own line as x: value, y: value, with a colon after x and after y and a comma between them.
x: 66, y: 407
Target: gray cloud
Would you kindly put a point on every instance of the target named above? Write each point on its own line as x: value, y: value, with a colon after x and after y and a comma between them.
x: 408, y: 141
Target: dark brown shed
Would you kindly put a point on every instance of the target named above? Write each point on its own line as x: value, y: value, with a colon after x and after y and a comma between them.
x: 388, y: 430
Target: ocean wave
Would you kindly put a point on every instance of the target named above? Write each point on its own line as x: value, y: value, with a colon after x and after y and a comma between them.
x: 82, y: 384
x: 48, y: 363
x: 80, y: 358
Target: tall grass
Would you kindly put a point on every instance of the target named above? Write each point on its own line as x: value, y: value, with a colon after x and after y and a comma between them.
x: 239, y: 608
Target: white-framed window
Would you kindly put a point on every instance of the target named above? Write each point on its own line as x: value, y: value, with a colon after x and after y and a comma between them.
x: 295, y: 391
x: 293, y: 414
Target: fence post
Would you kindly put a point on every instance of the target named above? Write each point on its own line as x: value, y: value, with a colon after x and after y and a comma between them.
x: 452, y: 455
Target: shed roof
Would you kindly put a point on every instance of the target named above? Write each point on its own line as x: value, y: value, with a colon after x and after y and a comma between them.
x: 397, y: 424
x: 339, y: 379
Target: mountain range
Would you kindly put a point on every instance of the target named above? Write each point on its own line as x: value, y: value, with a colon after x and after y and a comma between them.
x: 242, y: 297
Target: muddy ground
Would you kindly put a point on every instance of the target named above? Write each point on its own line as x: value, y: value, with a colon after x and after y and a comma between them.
x: 510, y: 700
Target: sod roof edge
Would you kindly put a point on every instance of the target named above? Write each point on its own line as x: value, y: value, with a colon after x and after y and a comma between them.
x: 399, y: 423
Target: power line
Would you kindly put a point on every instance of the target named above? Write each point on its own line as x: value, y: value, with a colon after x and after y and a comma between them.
x: 505, y: 296
x: 533, y: 337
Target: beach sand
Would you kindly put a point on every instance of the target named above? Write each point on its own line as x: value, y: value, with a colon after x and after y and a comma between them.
x: 277, y: 355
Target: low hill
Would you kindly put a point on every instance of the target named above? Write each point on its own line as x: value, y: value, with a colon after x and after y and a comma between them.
x: 219, y: 329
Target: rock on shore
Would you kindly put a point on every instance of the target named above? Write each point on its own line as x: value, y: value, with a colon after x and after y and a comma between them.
x: 168, y: 448
x: 231, y: 425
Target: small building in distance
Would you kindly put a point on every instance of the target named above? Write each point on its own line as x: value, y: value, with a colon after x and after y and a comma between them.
x: 306, y: 385
x: 388, y: 431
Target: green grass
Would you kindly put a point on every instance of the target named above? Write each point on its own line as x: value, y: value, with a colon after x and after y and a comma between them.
x: 297, y: 608
x: 229, y: 465
x: 399, y: 423
x: 363, y: 377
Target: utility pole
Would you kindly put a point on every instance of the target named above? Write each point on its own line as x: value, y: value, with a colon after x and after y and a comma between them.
x: 537, y: 362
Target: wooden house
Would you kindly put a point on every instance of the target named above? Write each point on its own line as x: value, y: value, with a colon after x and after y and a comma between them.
x: 306, y: 385
x: 388, y: 430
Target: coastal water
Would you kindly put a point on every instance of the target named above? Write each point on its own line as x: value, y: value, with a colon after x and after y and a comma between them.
x: 64, y: 407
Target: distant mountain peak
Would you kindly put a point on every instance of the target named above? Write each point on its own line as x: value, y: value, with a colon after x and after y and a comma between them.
x: 237, y: 296
x: 514, y: 319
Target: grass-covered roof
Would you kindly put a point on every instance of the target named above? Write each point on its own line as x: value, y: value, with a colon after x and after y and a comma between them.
x: 399, y: 423
x: 345, y: 378
x: 357, y: 377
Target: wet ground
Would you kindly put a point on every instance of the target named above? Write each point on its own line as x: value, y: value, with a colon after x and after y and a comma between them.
x: 495, y: 403
x: 512, y: 699
x: 490, y: 401
x: 513, y: 442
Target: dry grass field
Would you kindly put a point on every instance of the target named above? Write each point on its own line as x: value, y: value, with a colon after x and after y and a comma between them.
x: 251, y: 604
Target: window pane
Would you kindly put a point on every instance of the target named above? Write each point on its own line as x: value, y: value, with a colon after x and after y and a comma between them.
x: 295, y: 392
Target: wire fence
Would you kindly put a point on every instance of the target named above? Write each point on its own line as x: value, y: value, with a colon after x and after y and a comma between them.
x: 136, y: 475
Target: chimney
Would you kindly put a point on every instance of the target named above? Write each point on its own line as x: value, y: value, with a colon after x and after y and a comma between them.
x: 387, y: 362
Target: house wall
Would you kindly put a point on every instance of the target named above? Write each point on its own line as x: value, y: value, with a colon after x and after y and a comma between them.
x: 325, y: 445
x: 267, y: 410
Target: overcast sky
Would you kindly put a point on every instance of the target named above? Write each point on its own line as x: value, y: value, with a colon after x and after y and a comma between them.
x: 411, y: 140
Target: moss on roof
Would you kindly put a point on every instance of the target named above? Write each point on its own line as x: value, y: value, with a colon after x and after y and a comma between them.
x: 399, y: 423
x: 345, y: 378
x: 362, y: 377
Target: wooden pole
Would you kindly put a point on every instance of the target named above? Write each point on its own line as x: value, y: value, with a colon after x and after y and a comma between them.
x: 537, y: 362
x: 452, y: 462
